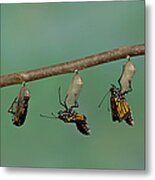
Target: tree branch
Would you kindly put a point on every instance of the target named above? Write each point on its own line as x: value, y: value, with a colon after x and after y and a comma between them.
x: 71, y: 66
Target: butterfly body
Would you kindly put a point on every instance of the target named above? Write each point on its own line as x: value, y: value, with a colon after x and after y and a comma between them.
x: 70, y: 116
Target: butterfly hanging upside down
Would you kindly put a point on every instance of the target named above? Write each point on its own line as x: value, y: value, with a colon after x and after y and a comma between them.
x: 119, y: 107
x: 70, y: 116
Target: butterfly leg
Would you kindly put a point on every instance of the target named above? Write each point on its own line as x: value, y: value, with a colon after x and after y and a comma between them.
x: 11, y: 109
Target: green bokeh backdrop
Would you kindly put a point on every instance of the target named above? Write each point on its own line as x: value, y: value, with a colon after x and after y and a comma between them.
x: 39, y: 35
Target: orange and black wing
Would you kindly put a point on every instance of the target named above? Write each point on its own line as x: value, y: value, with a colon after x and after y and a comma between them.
x: 114, y: 109
x: 121, y: 110
x: 127, y: 113
x: 76, y: 118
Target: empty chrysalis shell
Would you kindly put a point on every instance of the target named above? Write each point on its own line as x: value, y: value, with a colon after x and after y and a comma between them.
x: 74, y: 91
x: 127, y: 76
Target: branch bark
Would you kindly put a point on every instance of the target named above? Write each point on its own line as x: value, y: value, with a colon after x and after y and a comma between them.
x: 71, y: 66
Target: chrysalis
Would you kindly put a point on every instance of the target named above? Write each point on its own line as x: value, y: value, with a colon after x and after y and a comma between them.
x: 127, y: 76
x: 19, y: 106
x: 74, y: 91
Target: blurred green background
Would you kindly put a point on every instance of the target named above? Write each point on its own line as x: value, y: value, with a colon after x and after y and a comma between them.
x: 39, y: 35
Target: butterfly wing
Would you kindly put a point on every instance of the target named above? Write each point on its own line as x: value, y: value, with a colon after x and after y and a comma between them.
x: 121, y: 110
x: 114, y: 109
x: 126, y: 113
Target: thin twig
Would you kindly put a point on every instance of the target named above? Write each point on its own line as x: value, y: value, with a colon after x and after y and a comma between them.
x: 71, y: 66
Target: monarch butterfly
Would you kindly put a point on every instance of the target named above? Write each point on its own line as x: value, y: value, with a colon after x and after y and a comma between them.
x: 19, y: 106
x: 68, y: 115
x: 119, y: 107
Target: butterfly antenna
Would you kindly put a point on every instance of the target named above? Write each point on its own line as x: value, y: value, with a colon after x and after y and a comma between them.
x: 49, y: 117
x: 60, y: 101
x: 108, y: 107
x: 54, y: 116
x: 103, y: 99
